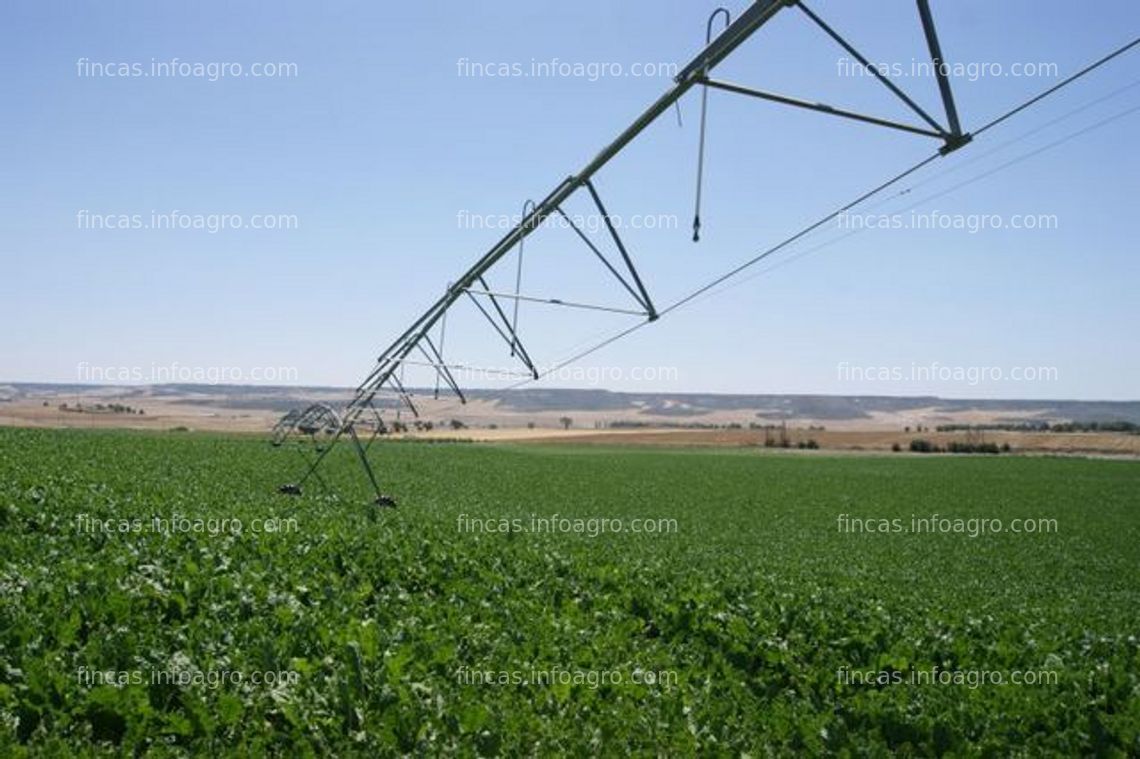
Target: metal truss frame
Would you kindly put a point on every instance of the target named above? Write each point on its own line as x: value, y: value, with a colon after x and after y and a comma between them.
x: 361, y: 412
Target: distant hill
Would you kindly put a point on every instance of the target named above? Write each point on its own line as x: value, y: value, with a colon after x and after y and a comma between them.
x: 678, y: 406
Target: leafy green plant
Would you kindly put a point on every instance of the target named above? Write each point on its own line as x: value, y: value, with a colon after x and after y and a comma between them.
x: 756, y: 602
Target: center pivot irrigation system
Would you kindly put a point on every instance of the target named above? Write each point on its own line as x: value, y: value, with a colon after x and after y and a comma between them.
x: 320, y: 426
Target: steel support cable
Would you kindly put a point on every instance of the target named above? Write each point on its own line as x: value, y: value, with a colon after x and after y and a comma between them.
x: 977, y: 178
x: 862, y: 198
x: 1066, y: 82
x: 1007, y: 144
x: 841, y: 238
x: 1025, y: 157
x: 560, y: 302
x: 942, y: 174
x: 434, y: 364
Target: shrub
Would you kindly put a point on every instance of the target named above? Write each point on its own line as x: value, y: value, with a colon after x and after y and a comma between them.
x: 958, y: 447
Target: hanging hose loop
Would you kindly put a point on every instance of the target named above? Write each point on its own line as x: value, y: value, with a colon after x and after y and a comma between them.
x: 712, y: 18
x: 704, y: 118
x: 528, y: 207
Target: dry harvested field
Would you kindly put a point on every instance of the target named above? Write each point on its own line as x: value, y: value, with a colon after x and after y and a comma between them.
x: 851, y: 440
x: 159, y: 415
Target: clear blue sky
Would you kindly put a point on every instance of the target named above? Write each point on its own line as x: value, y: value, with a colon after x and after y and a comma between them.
x: 379, y: 144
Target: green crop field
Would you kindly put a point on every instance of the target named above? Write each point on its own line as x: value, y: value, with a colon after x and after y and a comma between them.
x: 749, y: 613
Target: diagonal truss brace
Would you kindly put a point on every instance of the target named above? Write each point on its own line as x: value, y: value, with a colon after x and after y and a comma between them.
x: 405, y: 396
x: 868, y: 66
x: 821, y: 107
x: 601, y: 257
x: 937, y: 59
x: 952, y: 137
x: 435, y: 358
x: 645, y: 300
